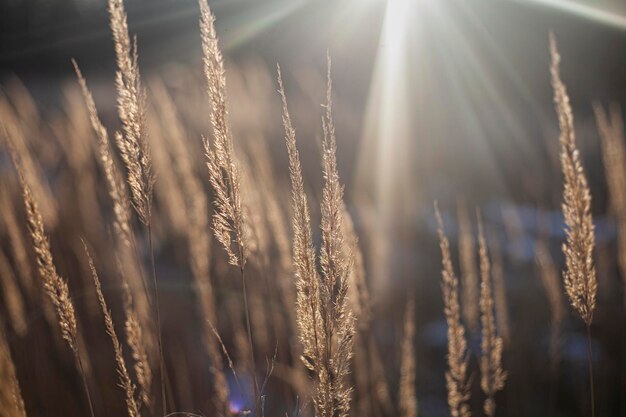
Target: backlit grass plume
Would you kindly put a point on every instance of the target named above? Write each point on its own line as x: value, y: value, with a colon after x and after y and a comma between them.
x: 580, y: 274
x: 115, y: 185
x: 131, y: 105
x: 456, y: 376
x: 492, y: 376
x: 325, y: 320
x: 224, y: 175
x: 55, y: 286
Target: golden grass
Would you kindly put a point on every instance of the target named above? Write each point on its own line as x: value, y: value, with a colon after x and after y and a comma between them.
x: 125, y: 382
x: 309, y: 296
x: 492, y: 376
x: 580, y: 275
x: 457, y: 374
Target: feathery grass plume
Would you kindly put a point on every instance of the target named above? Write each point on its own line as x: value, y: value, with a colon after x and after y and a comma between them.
x: 552, y: 286
x: 125, y: 382
x: 229, y: 223
x: 469, y: 271
x: 115, y: 185
x: 12, y: 297
x: 325, y: 320
x: 131, y: 105
x: 228, y: 219
x: 198, y: 237
x: 307, y: 279
x: 492, y: 376
x: 580, y: 275
x: 17, y: 244
x: 407, y: 400
x: 137, y: 343
x: 337, y: 317
x: 134, y: 145
x: 614, y: 158
x: 456, y: 376
x: 55, y: 286
x: 11, y: 402
x: 499, y: 290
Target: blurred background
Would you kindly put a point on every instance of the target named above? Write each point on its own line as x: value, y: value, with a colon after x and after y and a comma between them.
x: 434, y: 100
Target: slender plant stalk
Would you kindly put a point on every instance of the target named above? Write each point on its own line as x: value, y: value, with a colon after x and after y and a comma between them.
x: 457, y: 381
x: 124, y: 378
x: 55, y: 286
x: 580, y: 275
x: 492, y: 376
x: 229, y: 219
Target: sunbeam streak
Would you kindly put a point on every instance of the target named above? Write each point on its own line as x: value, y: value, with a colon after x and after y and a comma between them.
x: 591, y: 12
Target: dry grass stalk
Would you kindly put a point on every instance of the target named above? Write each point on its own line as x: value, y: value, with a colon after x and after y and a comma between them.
x: 614, y: 157
x: 407, y: 400
x: 492, y: 376
x: 115, y: 185
x: 456, y: 376
x: 325, y: 320
x: 125, y: 382
x: 469, y: 271
x: 55, y: 286
x: 580, y: 275
x: 12, y: 297
x: 131, y: 104
x: 137, y: 343
x: 229, y: 223
x: 11, y: 402
x: 124, y: 234
x: 134, y: 145
x: 228, y: 219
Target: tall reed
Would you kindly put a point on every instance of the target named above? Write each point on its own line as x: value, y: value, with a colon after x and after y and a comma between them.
x: 55, y: 286
x: 457, y: 374
x: 229, y: 223
x: 124, y: 378
x: 492, y: 376
x: 325, y: 320
x: 134, y: 146
x: 580, y: 274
